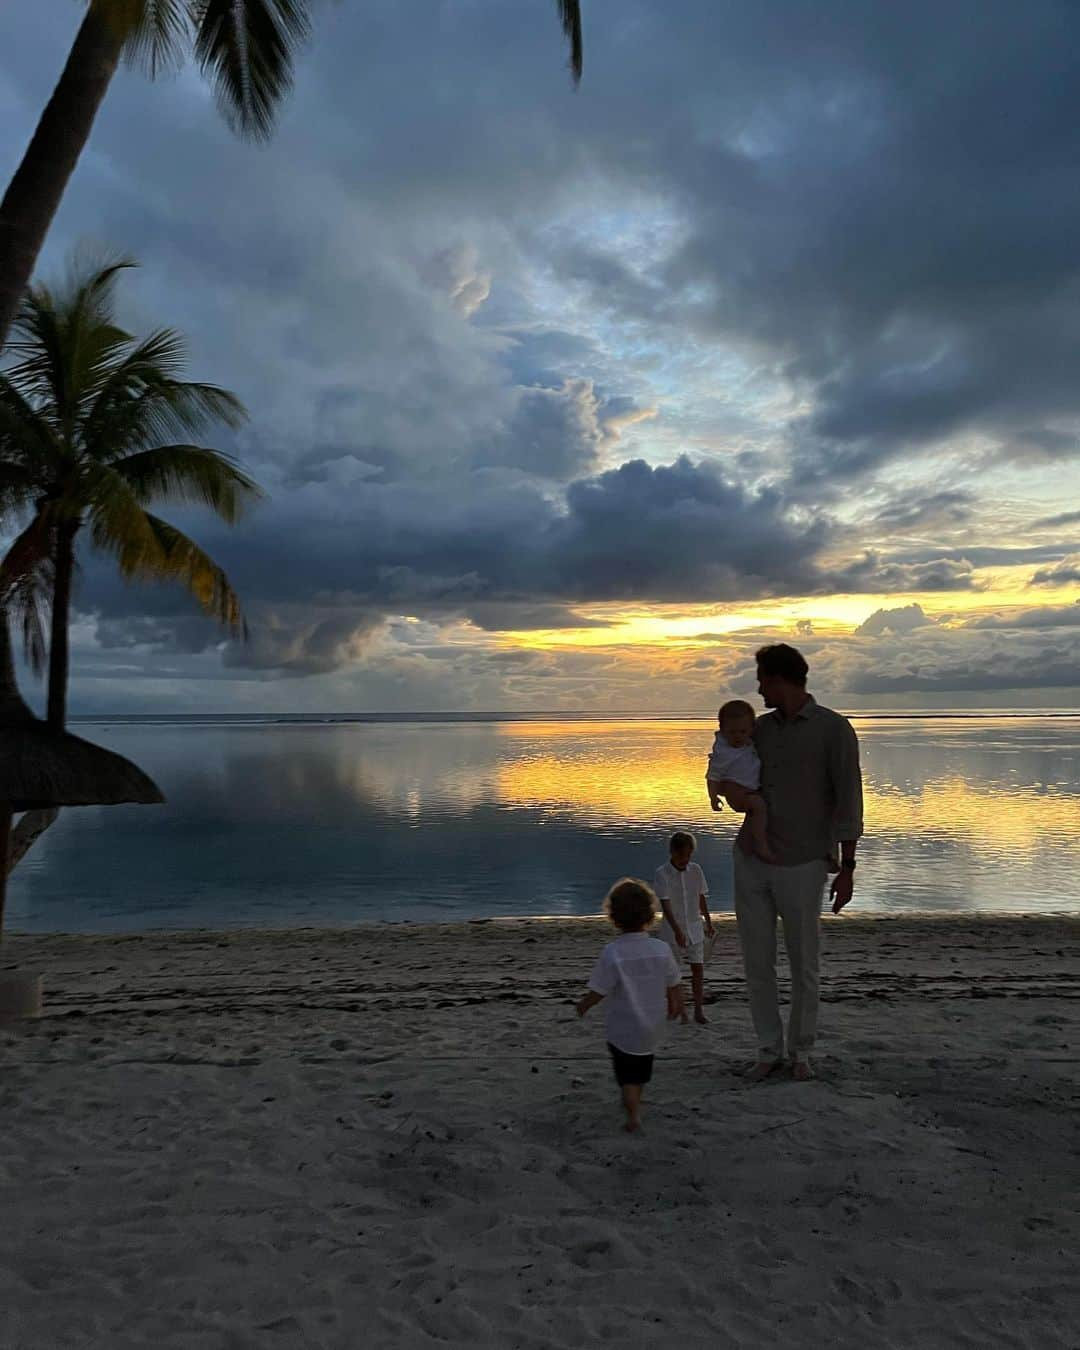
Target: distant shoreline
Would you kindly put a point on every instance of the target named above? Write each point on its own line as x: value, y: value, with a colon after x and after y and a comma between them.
x: 465, y: 718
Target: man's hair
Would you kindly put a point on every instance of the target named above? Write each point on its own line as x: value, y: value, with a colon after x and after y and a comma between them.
x: 783, y: 661
x: 630, y: 905
x: 681, y: 839
x: 735, y: 707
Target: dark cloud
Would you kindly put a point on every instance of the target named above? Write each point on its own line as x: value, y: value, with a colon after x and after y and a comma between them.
x: 1065, y: 518
x: 918, y: 509
x: 304, y: 644
x: 1046, y: 616
x: 496, y: 617
x: 873, y: 572
x: 1064, y: 573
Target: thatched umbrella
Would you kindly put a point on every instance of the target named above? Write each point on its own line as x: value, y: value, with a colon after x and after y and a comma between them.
x: 43, y: 768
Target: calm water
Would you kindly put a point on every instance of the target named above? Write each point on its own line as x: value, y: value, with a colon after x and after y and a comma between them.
x: 307, y: 823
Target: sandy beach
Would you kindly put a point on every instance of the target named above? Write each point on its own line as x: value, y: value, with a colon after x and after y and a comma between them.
x: 401, y: 1136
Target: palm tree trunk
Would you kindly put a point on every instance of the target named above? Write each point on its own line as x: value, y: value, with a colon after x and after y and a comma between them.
x: 59, y: 662
x: 34, y: 193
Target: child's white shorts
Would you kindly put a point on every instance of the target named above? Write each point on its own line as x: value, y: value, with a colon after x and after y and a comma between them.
x: 693, y: 953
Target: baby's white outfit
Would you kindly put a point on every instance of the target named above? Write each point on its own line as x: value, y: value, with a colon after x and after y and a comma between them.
x: 739, y: 764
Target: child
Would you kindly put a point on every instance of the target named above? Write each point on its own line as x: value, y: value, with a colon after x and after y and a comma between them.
x: 734, y: 772
x: 684, y: 897
x: 639, y: 976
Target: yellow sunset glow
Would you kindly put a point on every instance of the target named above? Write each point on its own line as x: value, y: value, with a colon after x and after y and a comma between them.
x: 832, y: 615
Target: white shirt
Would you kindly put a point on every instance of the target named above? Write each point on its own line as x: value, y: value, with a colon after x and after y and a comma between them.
x: 741, y: 764
x: 682, y: 890
x: 634, y: 973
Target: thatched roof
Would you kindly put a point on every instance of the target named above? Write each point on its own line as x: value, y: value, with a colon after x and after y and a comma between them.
x: 40, y: 767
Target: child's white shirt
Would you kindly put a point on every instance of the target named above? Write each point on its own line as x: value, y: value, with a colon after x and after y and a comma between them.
x: 634, y: 973
x: 683, y: 891
x: 739, y: 764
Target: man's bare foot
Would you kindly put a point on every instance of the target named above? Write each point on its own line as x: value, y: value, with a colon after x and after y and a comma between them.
x: 700, y: 1018
x: 802, y: 1071
x: 757, y: 1073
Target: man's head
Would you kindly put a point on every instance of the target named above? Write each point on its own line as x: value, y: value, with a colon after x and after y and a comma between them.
x: 736, y: 720
x: 631, y: 905
x: 681, y: 847
x: 781, y: 672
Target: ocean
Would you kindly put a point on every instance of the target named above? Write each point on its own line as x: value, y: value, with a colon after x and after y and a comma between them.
x: 281, y: 822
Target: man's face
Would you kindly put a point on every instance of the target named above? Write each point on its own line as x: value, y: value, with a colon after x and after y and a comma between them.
x: 771, y: 689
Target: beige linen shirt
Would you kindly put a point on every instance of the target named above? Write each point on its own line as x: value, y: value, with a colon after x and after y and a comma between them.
x: 811, y: 782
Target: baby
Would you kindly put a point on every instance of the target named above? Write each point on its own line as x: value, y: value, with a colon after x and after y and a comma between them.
x: 734, y: 772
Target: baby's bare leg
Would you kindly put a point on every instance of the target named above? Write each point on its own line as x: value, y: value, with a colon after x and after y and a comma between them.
x: 752, y: 805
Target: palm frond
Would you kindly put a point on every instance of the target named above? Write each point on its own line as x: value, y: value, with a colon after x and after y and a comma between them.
x: 27, y: 603
x: 67, y: 339
x: 156, y: 32
x: 28, y: 553
x: 246, y: 48
x: 570, y: 18
x: 141, y: 401
x: 27, y: 434
x: 158, y: 551
x: 189, y: 473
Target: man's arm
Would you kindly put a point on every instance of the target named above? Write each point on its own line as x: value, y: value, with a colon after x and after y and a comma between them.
x: 846, y: 780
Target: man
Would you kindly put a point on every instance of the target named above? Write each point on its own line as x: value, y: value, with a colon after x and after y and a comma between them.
x: 812, y: 787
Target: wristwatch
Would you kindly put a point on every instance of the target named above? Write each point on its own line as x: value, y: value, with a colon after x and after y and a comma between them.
x: 848, y: 864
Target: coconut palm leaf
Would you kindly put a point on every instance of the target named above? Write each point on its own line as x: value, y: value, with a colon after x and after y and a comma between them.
x: 246, y: 49
x: 570, y: 18
x: 157, y: 32
x: 189, y: 473
x: 68, y: 341
x: 141, y: 400
x: 158, y: 551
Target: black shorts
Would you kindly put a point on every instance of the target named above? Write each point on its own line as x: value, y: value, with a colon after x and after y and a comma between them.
x: 630, y: 1069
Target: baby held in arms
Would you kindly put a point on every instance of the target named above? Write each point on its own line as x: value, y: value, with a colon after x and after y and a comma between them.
x: 734, y: 772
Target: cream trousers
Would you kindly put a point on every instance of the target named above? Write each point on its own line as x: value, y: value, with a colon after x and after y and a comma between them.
x: 764, y: 892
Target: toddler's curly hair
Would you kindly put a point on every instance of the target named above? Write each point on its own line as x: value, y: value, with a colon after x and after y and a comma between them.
x: 631, y: 905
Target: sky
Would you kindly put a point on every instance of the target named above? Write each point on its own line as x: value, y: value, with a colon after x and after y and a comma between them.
x: 573, y: 398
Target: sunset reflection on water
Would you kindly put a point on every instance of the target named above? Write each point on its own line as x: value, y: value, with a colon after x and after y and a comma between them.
x: 270, y: 824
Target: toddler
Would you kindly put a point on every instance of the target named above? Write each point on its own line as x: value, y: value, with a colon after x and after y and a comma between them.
x: 638, y: 976
x: 683, y: 893
x: 734, y: 772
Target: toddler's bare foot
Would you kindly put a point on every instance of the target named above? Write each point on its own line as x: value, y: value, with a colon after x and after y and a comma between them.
x: 633, y: 1124
x: 700, y: 1018
x: 684, y: 1019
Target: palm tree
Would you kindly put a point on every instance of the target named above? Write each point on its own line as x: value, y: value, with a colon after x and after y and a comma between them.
x: 245, y: 48
x: 94, y: 428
